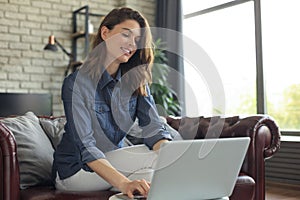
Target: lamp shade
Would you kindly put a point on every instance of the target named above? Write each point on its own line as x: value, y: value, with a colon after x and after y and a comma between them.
x: 51, y: 44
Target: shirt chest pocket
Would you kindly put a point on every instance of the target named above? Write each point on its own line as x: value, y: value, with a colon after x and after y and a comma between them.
x: 130, y: 107
x: 103, y: 113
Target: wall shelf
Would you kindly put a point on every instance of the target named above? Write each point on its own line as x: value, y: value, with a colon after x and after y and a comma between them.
x: 76, y: 33
x: 81, y: 34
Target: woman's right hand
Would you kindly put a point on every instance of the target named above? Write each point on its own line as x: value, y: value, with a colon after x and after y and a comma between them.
x: 130, y: 188
x: 104, y: 169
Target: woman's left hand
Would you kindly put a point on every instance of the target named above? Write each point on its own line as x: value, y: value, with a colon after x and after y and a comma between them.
x: 134, y: 187
x: 156, y: 146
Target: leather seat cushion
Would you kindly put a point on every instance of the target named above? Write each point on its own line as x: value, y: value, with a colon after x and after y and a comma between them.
x: 244, y: 188
x: 46, y: 193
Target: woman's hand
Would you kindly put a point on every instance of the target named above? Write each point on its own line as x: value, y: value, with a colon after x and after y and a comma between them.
x: 131, y: 188
x: 104, y: 169
x: 157, y: 145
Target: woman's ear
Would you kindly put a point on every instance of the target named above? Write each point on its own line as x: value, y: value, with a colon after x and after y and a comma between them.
x: 104, y: 32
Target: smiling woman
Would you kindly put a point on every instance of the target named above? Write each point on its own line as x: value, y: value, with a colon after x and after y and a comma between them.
x: 102, y: 100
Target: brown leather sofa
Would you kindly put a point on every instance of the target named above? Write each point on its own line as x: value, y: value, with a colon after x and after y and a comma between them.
x: 265, y: 141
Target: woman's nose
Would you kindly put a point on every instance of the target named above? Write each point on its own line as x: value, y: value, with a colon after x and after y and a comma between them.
x: 132, y: 42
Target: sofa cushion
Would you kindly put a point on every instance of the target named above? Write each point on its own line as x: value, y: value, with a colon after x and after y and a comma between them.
x: 134, y: 135
x: 34, y: 150
x: 54, y: 128
x: 46, y: 193
x: 244, y: 188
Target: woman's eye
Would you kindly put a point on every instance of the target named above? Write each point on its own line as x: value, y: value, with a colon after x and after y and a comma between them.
x: 125, y: 34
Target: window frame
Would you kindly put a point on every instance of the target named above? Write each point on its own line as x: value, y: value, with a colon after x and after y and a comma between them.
x: 260, y: 82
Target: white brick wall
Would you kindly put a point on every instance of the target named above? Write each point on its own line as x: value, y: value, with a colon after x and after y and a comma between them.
x: 24, y: 29
x: 146, y: 7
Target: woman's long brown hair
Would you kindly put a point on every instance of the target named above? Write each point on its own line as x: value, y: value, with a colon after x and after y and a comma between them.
x: 144, y: 54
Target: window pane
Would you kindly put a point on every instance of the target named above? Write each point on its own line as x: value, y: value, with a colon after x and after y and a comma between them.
x: 228, y: 37
x: 281, y: 49
x: 190, y: 6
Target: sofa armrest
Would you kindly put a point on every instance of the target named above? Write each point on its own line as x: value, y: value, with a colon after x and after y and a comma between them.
x: 9, y: 168
x: 262, y: 130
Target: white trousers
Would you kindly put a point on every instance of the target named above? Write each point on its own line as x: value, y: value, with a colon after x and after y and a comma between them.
x: 135, y: 162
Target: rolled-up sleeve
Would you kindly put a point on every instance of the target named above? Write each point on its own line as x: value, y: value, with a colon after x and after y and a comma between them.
x: 80, y: 121
x: 153, y: 128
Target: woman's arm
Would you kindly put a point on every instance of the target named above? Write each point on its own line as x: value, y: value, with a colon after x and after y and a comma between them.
x: 104, y: 169
x: 154, y: 131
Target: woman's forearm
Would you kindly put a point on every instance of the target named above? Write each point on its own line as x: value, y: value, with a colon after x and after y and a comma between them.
x: 104, y: 169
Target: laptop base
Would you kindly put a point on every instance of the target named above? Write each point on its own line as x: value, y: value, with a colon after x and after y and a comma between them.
x: 121, y: 196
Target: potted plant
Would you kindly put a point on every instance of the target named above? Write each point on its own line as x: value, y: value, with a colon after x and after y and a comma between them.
x: 165, y: 97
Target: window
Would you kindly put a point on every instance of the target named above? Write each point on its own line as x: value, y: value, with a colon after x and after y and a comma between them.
x: 190, y: 6
x: 227, y: 36
x: 227, y: 33
x: 281, y: 50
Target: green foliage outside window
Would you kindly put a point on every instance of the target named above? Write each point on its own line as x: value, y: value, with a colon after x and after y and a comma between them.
x: 286, y: 112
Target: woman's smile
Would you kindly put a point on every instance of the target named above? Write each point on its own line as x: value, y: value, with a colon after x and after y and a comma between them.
x: 127, y: 51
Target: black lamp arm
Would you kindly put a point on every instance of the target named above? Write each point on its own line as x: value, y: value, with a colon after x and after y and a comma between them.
x: 63, y: 49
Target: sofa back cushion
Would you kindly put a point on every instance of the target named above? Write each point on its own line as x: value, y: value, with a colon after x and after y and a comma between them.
x: 34, y: 150
x: 54, y: 128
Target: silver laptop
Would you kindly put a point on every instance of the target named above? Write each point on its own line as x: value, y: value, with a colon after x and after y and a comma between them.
x: 198, y: 169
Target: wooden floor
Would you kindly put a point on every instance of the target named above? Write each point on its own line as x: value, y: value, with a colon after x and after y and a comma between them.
x: 275, y: 191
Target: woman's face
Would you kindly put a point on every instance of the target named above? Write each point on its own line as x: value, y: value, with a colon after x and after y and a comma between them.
x: 122, y: 40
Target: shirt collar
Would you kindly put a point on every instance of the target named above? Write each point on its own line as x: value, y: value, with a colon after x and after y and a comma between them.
x: 106, y: 78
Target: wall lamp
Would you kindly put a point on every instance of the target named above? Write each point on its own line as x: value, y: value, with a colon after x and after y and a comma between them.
x: 52, y: 42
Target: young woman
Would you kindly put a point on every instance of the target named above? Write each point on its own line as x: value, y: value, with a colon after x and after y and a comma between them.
x: 101, y: 101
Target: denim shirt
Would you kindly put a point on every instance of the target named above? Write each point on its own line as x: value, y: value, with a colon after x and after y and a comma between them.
x: 99, y: 114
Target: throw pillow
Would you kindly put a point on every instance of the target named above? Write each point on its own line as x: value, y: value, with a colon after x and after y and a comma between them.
x: 54, y: 128
x: 34, y: 150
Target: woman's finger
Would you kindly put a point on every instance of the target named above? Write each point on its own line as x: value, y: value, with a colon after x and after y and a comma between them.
x: 145, y: 186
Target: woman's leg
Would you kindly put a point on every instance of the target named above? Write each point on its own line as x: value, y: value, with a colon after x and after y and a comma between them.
x: 82, y: 181
x: 135, y: 162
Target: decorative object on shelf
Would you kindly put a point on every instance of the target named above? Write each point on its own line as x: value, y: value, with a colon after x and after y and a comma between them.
x: 90, y: 27
x: 52, y: 42
x: 161, y: 90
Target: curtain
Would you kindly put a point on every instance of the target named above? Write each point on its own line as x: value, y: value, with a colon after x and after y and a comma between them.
x: 169, y: 17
